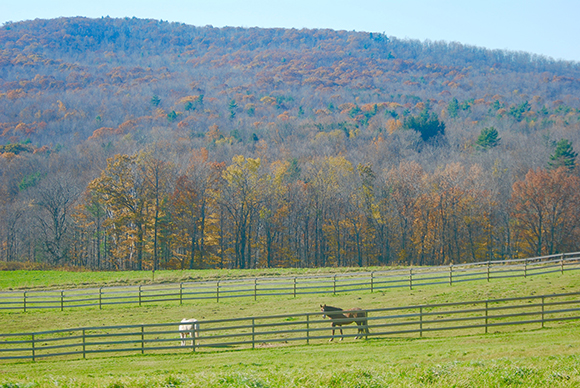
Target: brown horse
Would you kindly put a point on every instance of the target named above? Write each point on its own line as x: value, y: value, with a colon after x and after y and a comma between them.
x: 342, y: 317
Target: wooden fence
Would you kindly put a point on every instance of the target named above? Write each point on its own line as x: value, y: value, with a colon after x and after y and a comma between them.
x: 411, y: 277
x: 265, y: 331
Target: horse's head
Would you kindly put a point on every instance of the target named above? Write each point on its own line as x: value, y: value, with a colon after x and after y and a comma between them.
x: 323, y: 309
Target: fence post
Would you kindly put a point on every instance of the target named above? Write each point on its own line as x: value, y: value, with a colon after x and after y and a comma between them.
x: 180, y: 294
x: 526, y: 268
x: 334, y: 285
x: 142, y: 339
x: 542, y: 312
x: 61, y: 300
x: 139, y: 296
x: 562, y: 264
x: 24, y: 301
x: 372, y: 281
x: 488, y: 263
x: 84, y: 345
x: 307, y: 329
x: 450, y: 274
x: 295, y: 286
x: 33, y: 348
x: 100, y: 297
x: 421, y: 322
x: 217, y: 291
x: 253, y: 333
x: 410, y: 278
x: 486, y: 306
x: 255, y: 288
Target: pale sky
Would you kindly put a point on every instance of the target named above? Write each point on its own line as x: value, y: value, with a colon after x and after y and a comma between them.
x: 546, y: 27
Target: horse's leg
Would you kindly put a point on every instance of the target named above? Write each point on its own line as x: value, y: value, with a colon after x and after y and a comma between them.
x: 330, y: 340
x: 341, y: 335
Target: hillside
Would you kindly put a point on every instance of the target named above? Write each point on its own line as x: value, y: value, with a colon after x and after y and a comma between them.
x: 130, y: 143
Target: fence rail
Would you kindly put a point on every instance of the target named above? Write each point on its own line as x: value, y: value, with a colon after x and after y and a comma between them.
x: 277, y: 330
x: 299, y: 285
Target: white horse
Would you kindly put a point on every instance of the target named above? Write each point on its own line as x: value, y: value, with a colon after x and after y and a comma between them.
x: 187, y: 329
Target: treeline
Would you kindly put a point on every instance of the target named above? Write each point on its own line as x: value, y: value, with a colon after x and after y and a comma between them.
x: 144, y: 211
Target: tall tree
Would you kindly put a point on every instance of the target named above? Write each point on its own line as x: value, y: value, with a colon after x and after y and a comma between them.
x: 158, y: 177
x: 124, y: 193
x: 563, y: 156
x: 546, y: 208
x: 242, y: 196
x: 192, y: 201
x: 55, y: 198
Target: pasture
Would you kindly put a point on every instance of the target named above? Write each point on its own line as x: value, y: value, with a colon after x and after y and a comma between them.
x: 522, y: 355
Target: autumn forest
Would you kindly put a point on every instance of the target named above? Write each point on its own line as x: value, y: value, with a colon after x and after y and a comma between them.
x: 142, y: 144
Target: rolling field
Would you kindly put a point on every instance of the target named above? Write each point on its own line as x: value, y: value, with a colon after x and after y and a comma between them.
x: 509, y: 356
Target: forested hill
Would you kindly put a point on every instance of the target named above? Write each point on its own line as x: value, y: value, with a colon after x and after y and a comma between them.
x: 105, y: 73
x: 351, y: 140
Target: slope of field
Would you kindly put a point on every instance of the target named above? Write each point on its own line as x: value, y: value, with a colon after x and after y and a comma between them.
x: 165, y: 312
x: 524, y: 355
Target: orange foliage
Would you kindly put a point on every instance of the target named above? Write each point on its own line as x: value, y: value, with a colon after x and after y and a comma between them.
x: 547, y: 210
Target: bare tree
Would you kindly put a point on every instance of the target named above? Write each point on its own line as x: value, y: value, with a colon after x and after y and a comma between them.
x: 53, y: 201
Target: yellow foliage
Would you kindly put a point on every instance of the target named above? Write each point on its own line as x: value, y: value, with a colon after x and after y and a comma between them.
x: 393, y: 125
x: 268, y: 100
x: 185, y: 100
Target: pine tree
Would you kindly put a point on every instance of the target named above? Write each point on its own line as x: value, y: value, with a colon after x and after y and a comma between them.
x: 488, y: 138
x: 563, y: 156
x: 427, y: 125
x: 453, y: 108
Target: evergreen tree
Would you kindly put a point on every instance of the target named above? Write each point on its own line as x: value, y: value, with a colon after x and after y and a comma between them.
x: 427, y: 125
x: 155, y: 100
x: 563, y: 156
x: 453, y: 108
x: 488, y: 138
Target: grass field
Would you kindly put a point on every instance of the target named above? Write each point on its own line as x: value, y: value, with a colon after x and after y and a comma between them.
x: 517, y: 356
x: 35, y: 279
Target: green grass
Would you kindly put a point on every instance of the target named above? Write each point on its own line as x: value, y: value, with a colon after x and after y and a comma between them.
x: 537, y: 358
x: 36, y: 279
x: 52, y: 319
x: 513, y: 356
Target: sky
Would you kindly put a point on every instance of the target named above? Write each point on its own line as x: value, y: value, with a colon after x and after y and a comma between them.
x: 545, y: 27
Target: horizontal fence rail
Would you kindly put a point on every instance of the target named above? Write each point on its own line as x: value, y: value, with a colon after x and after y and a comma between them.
x: 299, y: 285
x: 475, y: 317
